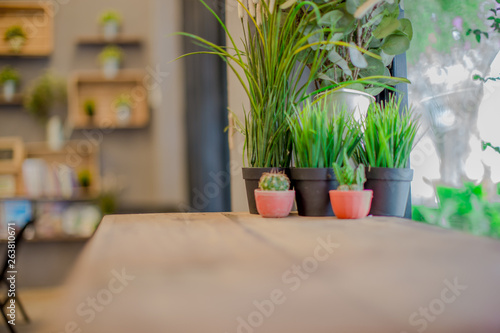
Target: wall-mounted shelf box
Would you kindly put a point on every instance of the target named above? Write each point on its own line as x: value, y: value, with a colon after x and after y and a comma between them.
x: 78, y: 155
x: 92, y: 85
x: 36, y: 18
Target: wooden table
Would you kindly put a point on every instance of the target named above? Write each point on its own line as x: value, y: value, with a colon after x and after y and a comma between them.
x: 229, y: 272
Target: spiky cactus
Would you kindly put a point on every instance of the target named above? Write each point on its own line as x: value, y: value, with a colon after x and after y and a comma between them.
x: 350, y: 179
x: 274, y: 181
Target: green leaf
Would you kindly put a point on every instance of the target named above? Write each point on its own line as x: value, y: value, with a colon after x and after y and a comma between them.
x: 336, y: 59
x: 331, y: 18
x: 387, y: 27
x: 396, y: 44
x: 357, y: 57
x: 406, y: 28
x: 386, y: 58
x: 374, y: 67
x: 352, y: 6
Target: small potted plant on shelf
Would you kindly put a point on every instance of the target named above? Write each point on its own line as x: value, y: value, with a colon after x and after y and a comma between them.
x: 110, y: 21
x: 9, y: 78
x: 46, y: 99
x: 85, y: 180
x: 89, y: 109
x: 16, y: 37
x: 274, y: 197
x: 111, y: 58
x: 123, y: 109
x: 319, y: 141
x: 350, y: 200
x: 385, y: 149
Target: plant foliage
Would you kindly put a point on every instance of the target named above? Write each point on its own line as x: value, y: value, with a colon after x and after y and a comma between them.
x: 274, y: 40
x: 349, y: 178
x: 110, y: 16
x: 388, y: 136
x: 274, y: 181
x: 111, y: 52
x: 465, y: 209
x: 374, y: 26
x: 15, y: 31
x: 9, y: 74
x: 320, y: 139
x: 45, y: 93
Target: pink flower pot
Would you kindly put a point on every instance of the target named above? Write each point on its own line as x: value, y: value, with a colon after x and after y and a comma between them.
x: 351, y: 204
x: 274, y: 203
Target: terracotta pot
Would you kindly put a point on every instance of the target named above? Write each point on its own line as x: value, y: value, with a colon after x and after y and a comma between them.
x: 351, y: 204
x: 274, y: 203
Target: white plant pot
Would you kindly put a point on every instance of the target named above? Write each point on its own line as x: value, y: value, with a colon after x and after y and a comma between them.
x: 110, y: 30
x: 123, y: 114
x: 9, y: 89
x: 354, y: 101
x: 55, y: 133
x: 16, y: 44
x: 110, y: 68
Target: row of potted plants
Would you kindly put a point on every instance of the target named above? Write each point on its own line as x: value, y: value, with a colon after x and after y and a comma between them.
x: 381, y: 143
x: 303, y: 53
x: 274, y: 197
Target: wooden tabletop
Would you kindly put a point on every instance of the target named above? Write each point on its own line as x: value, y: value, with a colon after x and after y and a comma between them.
x: 230, y: 272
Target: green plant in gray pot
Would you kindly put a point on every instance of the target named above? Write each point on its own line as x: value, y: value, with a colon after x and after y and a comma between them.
x: 373, y: 26
x: 9, y: 79
x: 111, y: 58
x: 320, y: 140
x: 387, y: 142
x: 110, y: 21
x: 16, y: 37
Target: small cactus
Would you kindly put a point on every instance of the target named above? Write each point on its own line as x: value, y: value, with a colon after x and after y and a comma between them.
x: 274, y: 181
x: 350, y: 179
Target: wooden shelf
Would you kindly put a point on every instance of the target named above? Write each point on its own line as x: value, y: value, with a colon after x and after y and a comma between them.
x: 93, y: 85
x: 78, y: 155
x: 40, y: 41
x: 17, y: 100
x: 100, y: 40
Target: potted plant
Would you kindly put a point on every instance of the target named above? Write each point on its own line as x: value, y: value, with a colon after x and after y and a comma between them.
x: 385, y: 148
x: 46, y: 99
x: 123, y: 109
x: 347, y: 76
x: 319, y: 139
x: 16, y: 37
x: 110, y: 58
x: 110, y: 21
x: 89, y: 109
x: 274, y: 197
x: 350, y: 200
x: 85, y: 180
x: 9, y: 78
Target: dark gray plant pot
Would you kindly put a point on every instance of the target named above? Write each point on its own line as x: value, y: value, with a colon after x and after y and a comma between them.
x: 312, y: 186
x: 252, y: 177
x: 391, y: 188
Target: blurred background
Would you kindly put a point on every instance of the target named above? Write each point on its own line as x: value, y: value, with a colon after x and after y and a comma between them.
x: 99, y: 120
